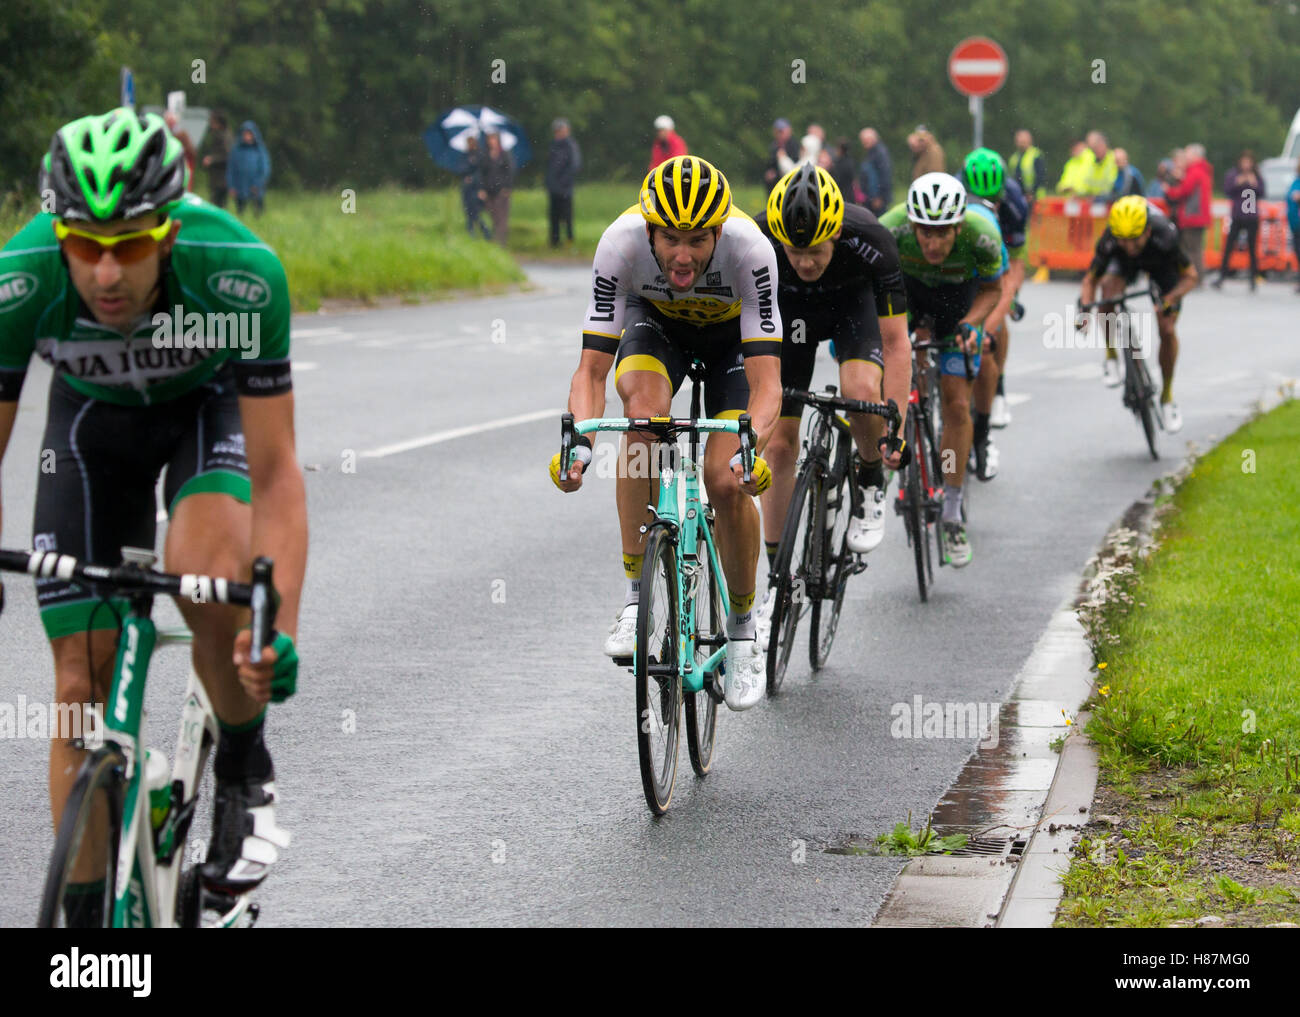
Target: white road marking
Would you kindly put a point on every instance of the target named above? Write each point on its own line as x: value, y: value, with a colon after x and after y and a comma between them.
x: 305, y: 365
x: 438, y: 437
x: 303, y: 333
x: 1017, y: 398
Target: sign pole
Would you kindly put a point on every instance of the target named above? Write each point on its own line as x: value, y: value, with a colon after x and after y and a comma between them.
x: 977, y: 111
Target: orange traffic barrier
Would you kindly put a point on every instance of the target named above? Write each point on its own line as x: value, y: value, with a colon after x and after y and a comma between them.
x: 1064, y: 231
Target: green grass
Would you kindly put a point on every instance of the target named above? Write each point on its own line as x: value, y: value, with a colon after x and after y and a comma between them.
x: 1199, y: 726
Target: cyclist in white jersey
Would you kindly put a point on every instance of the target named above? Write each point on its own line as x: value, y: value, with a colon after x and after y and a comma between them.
x: 682, y: 276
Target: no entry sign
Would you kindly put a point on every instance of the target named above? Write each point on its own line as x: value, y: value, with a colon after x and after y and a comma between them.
x: 977, y: 66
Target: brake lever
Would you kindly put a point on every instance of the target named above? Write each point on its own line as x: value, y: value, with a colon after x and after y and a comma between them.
x: 566, y: 444
x: 263, y: 606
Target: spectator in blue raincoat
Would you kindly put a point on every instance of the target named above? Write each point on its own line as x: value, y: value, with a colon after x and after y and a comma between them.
x: 248, y: 168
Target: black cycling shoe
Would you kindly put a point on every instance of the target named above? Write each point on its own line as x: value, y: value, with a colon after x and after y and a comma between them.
x: 245, y: 839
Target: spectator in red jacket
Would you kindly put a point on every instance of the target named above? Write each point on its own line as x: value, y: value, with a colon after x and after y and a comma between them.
x: 667, y: 144
x: 1192, y: 191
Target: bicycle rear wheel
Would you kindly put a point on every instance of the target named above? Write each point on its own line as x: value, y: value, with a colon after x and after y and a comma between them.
x: 658, y: 683
x: 701, y: 708
x: 836, y: 560
x: 916, y: 508
x: 790, y: 597
x: 79, y: 885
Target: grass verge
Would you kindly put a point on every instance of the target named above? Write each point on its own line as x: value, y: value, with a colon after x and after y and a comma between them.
x: 1197, y: 719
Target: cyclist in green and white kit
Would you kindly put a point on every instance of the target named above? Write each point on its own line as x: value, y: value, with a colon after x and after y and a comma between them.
x: 167, y: 325
x: 952, y: 264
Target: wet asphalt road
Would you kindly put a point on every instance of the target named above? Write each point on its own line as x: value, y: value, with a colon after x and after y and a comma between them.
x: 461, y: 753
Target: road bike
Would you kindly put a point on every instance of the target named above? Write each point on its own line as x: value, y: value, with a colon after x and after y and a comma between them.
x: 1139, y: 389
x: 681, y: 639
x: 813, y: 562
x: 920, y: 489
x: 124, y: 824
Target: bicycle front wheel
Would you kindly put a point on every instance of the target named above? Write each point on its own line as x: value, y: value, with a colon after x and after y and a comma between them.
x: 791, y: 573
x: 836, y: 563
x: 1144, y: 395
x: 658, y: 682
x: 916, y: 507
x: 79, y: 885
x: 710, y: 625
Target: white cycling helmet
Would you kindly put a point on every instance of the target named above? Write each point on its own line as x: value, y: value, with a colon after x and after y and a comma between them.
x: 936, y: 199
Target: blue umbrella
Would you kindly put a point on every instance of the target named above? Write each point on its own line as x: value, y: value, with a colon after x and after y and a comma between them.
x: 448, y: 137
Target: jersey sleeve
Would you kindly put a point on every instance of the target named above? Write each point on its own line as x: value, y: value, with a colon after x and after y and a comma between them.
x: 989, y: 251
x: 610, y: 278
x: 31, y: 280
x: 1102, y: 254
x: 760, y: 317
x: 879, y: 251
x: 264, y: 369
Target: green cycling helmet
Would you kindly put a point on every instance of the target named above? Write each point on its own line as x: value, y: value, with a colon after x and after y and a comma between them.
x: 985, y: 172
x: 115, y: 166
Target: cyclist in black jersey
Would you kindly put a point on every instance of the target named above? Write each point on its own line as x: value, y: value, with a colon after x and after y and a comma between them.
x: 1140, y: 238
x: 838, y: 279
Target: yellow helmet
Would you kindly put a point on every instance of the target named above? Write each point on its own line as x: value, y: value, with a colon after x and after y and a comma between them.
x: 1128, y: 217
x: 805, y: 207
x: 685, y: 193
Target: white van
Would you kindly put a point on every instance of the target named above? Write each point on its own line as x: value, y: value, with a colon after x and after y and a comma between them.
x: 1279, y: 172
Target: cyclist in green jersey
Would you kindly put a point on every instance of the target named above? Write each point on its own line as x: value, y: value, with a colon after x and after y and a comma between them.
x: 952, y: 266
x: 167, y: 325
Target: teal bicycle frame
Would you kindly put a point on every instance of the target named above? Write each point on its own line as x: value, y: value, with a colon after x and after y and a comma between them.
x: 681, y: 509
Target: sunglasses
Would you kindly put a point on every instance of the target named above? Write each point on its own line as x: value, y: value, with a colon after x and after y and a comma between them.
x: 127, y: 248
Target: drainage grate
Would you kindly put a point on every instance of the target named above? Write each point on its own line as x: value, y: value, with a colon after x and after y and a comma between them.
x: 991, y: 847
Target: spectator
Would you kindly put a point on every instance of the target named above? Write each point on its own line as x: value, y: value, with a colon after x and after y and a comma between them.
x: 562, y: 164
x: 1164, y: 175
x: 498, y: 178
x: 876, y: 174
x: 818, y: 132
x: 249, y: 168
x: 1102, y: 172
x: 215, y: 156
x: 183, y: 136
x: 470, y: 185
x: 1293, y: 220
x: 927, y: 154
x: 1029, y: 167
x: 1245, y: 190
x: 1128, y: 179
x: 1076, y: 174
x: 1192, y: 189
x: 842, y: 169
x: 784, y: 152
x: 667, y: 144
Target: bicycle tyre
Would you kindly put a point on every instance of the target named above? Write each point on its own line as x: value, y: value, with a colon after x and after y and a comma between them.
x: 1145, y: 401
x: 701, y: 708
x: 789, y: 598
x: 836, y: 568
x: 916, y: 509
x: 658, y: 696
x: 100, y: 784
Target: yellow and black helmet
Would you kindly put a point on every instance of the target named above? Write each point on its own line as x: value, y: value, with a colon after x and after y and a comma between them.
x: 805, y: 207
x: 685, y: 193
x: 1128, y: 217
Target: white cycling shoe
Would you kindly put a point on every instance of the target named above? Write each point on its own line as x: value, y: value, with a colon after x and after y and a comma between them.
x: 867, y: 530
x: 746, y: 678
x: 1171, y: 417
x: 1110, y: 373
x: 622, y: 634
x: 763, y: 618
x: 1001, y: 415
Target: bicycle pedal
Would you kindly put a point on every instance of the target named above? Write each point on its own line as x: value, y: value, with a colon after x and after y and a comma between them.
x: 622, y: 661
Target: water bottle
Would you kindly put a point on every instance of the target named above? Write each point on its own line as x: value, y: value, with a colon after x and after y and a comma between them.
x: 157, y: 782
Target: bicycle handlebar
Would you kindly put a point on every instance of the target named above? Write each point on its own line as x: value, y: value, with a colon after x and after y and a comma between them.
x: 259, y: 594
x: 664, y: 428
x: 1119, y: 300
x: 831, y: 401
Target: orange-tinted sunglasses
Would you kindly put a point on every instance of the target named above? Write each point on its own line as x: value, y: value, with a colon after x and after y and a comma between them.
x: 127, y: 248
